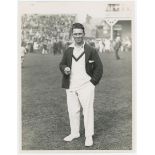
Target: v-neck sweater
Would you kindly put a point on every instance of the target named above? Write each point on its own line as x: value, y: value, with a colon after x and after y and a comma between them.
x: 78, y: 75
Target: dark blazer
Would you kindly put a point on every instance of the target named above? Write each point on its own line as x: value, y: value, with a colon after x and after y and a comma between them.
x: 93, y: 64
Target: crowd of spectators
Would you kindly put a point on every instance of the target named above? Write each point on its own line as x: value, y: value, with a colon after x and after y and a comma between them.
x: 51, y: 34
x: 38, y: 30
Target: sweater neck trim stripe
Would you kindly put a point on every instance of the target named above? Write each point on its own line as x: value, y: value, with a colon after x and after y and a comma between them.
x: 76, y: 59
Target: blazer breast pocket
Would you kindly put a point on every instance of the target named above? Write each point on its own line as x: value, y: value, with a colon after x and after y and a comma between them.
x: 91, y: 61
x: 91, y: 64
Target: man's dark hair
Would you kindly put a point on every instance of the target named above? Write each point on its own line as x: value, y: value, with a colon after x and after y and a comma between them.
x: 78, y: 26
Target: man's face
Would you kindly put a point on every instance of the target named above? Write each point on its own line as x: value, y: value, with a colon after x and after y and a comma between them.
x: 78, y: 35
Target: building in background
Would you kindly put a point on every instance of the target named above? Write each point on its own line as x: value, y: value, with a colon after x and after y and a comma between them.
x: 115, y: 21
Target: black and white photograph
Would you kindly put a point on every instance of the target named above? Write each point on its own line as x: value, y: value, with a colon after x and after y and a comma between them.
x: 76, y: 75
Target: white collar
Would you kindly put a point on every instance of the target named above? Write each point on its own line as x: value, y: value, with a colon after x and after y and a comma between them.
x: 73, y: 45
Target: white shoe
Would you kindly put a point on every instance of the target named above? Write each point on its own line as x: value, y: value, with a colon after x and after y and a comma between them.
x: 89, y: 141
x: 71, y: 137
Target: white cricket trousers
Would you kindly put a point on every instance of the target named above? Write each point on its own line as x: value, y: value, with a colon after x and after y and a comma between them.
x: 84, y: 97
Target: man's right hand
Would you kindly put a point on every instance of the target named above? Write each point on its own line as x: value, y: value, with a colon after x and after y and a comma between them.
x: 67, y: 71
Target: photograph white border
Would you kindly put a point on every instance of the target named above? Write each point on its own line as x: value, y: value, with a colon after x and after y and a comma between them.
x: 144, y: 79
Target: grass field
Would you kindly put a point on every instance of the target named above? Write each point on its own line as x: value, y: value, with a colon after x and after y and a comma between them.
x: 45, y: 119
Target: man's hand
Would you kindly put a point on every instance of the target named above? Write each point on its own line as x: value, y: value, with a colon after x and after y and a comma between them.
x: 67, y: 71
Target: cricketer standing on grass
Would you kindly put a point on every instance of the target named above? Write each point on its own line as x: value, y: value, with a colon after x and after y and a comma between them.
x: 82, y: 70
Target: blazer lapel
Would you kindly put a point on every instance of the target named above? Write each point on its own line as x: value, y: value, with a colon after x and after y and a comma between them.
x: 87, y: 52
x: 70, y: 53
